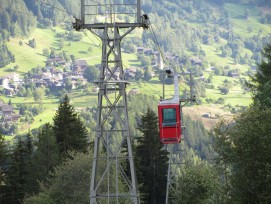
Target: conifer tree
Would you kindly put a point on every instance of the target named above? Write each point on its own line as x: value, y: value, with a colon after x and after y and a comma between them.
x: 151, y: 161
x: 69, y: 183
x: 261, y: 83
x: 18, y: 174
x: 3, y: 163
x: 45, y: 158
x: 68, y: 129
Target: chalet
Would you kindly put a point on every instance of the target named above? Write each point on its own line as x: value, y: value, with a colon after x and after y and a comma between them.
x: 10, y: 118
x: 46, y: 76
x: 9, y: 91
x: 148, y: 51
x: 15, y: 117
x: 57, y: 84
x: 81, y: 63
x: 5, y: 82
x: 133, y: 92
x: 10, y: 83
x: 140, y: 50
x: 6, y: 109
x: 36, y: 77
x: 74, y: 83
x: 40, y: 82
x: 95, y: 89
x: 66, y: 75
x: 56, y: 60
x: 130, y: 72
x: 7, y: 118
x: 156, y: 53
x: 170, y: 57
x: 196, y: 61
x: 13, y: 77
x: 78, y: 70
x: 209, y: 69
x: 235, y: 75
x: 206, y: 115
x: 55, y: 71
x: 202, y: 78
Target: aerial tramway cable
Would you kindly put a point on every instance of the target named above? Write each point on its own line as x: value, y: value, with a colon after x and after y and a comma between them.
x: 156, y: 43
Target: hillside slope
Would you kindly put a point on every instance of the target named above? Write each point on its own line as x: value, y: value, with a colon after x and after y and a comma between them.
x: 226, y: 39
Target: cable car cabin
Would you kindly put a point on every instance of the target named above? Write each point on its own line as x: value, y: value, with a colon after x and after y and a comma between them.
x: 169, y: 123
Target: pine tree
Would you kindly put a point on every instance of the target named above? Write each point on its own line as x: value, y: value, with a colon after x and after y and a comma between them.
x: 261, y: 83
x: 68, y: 129
x: 68, y: 184
x: 3, y: 164
x: 45, y: 158
x: 151, y: 161
x: 18, y: 174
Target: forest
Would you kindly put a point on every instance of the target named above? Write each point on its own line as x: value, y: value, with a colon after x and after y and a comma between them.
x: 228, y: 164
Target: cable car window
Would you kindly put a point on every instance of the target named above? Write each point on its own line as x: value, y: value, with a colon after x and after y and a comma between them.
x: 169, y: 117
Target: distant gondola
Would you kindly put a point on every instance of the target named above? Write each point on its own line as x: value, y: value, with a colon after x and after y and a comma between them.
x: 169, y: 114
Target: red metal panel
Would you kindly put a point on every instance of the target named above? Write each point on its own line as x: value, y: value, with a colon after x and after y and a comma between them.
x: 169, y: 133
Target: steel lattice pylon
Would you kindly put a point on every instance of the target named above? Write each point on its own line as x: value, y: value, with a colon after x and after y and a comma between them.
x: 113, y: 178
x: 176, y: 156
x: 177, y: 151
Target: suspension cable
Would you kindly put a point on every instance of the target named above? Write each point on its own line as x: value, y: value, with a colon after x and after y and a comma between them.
x: 96, y: 45
x: 156, y: 43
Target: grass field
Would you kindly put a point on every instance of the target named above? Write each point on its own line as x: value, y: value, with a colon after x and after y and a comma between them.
x: 240, y: 24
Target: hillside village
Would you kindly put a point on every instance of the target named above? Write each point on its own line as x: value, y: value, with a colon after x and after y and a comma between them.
x: 53, y: 77
x: 60, y: 73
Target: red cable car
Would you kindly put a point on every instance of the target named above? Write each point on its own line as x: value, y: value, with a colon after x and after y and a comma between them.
x: 169, y: 123
x: 169, y: 114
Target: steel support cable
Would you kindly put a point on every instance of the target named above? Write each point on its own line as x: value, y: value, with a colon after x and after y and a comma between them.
x: 156, y: 43
x: 98, y: 46
x: 155, y: 91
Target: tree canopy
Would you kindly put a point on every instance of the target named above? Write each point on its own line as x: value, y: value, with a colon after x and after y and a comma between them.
x: 261, y: 82
x: 151, y: 161
x: 68, y: 128
x: 244, y: 148
x: 243, y: 145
